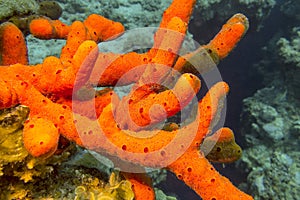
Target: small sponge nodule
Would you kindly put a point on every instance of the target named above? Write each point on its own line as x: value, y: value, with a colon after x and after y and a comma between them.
x: 40, y: 137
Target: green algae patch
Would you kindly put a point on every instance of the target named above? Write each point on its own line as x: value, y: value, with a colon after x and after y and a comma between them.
x: 11, y: 143
x: 115, y: 189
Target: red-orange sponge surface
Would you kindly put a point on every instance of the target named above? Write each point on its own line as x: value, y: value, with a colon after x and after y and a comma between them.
x: 40, y: 137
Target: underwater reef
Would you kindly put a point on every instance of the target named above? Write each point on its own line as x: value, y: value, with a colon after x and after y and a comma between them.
x: 270, y: 118
x: 67, y: 108
x: 40, y: 138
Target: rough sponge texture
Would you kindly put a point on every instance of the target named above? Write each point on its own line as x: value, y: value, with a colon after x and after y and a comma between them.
x: 40, y: 144
x: 49, y: 88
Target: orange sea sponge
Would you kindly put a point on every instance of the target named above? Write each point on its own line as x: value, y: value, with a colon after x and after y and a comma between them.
x: 179, y: 8
x: 201, y: 60
x: 47, y: 89
x: 141, y: 185
x: 163, y: 53
x: 105, y: 73
x: 206, y: 57
x: 229, y: 35
x: 12, y: 45
x: 8, y: 97
x: 146, y: 105
x: 45, y: 28
x: 193, y: 168
x: 101, y: 28
x: 40, y: 137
